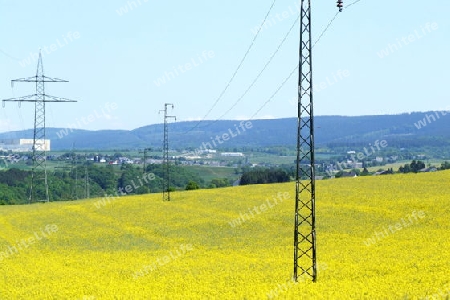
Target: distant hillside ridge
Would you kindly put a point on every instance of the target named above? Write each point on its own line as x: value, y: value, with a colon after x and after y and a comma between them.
x: 402, y: 130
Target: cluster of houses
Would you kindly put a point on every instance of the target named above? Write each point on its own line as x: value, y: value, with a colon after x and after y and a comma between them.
x: 205, y: 157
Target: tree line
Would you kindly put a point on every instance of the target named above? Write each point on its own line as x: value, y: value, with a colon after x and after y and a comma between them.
x: 93, y: 180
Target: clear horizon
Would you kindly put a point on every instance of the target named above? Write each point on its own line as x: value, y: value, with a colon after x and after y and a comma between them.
x: 70, y: 127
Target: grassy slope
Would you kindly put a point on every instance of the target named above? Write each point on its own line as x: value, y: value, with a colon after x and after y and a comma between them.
x: 96, y: 251
x: 210, y: 173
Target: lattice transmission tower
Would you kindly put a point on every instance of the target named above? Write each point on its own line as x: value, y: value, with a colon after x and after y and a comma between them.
x: 87, y: 189
x: 39, y: 170
x: 305, y: 264
x: 166, y: 162
x: 145, y: 151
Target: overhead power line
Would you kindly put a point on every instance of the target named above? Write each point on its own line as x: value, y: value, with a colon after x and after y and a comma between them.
x: 10, y: 56
x: 296, y: 67
x: 262, y: 70
x: 326, y: 29
x: 283, y: 83
x: 353, y: 3
x: 275, y: 93
x: 237, y: 69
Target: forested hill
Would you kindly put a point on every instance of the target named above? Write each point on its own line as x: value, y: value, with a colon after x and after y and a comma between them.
x: 404, y: 130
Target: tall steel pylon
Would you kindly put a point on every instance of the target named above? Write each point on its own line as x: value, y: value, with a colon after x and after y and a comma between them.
x: 39, y: 170
x: 305, y: 232
x: 166, y: 163
x: 305, y: 260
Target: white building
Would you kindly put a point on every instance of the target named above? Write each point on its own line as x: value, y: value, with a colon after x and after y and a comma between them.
x: 232, y: 154
x: 23, y: 145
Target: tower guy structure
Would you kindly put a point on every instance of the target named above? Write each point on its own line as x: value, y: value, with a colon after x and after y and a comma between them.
x: 305, y: 264
x: 166, y: 163
x: 39, y: 192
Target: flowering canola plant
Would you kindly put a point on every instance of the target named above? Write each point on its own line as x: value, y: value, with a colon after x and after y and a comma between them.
x: 381, y: 237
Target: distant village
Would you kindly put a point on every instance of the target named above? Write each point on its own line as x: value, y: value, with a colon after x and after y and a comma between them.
x: 18, y: 151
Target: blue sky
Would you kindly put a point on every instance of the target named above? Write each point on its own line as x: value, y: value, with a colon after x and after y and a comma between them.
x: 122, y: 59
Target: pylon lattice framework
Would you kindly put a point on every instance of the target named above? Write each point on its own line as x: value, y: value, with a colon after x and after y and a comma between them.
x: 87, y: 189
x: 304, y: 232
x: 166, y: 162
x: 145, y: 151
x: 39, y: 170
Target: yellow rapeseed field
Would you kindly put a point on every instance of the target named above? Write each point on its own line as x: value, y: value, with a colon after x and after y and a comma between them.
x: 383, y: 237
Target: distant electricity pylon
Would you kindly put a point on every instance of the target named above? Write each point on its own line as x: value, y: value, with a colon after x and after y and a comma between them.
x: 166, y: 163
x: 145, y: 158
x: 87, y: 188
x: 39, y: 170
x: 305, y: 197
x: 74, y: 173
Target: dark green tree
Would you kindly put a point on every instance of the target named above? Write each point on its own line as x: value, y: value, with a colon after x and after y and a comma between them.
x: 364, y: 172
x: 416, y: 166
x: 219, y: 182
x: 104, y: 177
x: 192, y: 185
x: 262, y: 176
x: 131, y: 181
